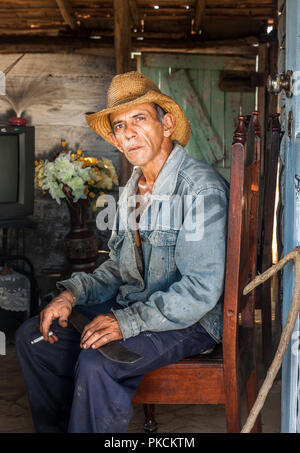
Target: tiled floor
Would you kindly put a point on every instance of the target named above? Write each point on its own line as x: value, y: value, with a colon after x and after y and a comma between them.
x: 15, y: 414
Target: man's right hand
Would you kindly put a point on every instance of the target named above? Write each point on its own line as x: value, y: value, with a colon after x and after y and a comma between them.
x: 59, y: 308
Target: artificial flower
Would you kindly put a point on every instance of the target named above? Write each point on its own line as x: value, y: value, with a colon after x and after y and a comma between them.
x: 69, y: 174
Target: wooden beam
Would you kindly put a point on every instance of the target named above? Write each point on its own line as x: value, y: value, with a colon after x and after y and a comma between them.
x: 135, y: 14
x: 135, y: 35
x: 241, y: 81
x: 248, y: 41
x: 64, y: 44
x: 253, y: 13
x: 122, y: 32
x: 166, y: 3
x: 84, y: 34
x: 47, y: 44
x: 200, y: 7
x: 190, y: 47
x: 144, y: 3
x: 67, y: 13
x: 206, y: 63
x: 122, y: 43
x: 239, y: 10
x: 44, y: 44
x: 263, y: 66
x: 54, y: 31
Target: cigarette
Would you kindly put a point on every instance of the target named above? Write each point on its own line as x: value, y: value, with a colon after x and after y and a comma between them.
x: 38, y: 339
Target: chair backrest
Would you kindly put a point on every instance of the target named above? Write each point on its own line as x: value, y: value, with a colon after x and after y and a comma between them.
x: 268, y: 190
x: 241, y: 259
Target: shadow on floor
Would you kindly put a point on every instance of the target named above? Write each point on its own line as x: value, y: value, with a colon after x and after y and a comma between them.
x: 15, y: 413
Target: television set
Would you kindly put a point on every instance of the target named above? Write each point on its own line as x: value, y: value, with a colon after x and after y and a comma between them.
x: 16, y: 172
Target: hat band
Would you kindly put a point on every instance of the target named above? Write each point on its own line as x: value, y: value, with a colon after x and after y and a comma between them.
x: 124, y: 101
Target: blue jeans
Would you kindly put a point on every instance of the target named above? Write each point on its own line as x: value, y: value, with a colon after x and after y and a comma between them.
x: 81, y: 391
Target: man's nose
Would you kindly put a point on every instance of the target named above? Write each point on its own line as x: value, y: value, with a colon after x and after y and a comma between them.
x: 130, y: 131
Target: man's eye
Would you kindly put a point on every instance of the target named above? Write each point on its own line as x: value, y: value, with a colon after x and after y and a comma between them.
x: 118, y: 127
x: 141, y: 117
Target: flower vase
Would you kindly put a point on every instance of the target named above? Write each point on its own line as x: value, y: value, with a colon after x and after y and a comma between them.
x: 80, y: 243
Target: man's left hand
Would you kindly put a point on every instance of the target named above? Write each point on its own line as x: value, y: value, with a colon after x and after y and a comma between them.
x: 102, y: 330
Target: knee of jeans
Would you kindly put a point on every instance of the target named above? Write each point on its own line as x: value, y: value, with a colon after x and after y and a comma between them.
x: 27, y: 330
x: 90, y: 362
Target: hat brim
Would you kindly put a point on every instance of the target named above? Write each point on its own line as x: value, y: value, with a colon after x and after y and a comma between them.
x: 99, y: 121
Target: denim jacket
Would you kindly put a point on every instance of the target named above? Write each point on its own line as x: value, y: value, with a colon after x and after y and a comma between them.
x: 183, y: 233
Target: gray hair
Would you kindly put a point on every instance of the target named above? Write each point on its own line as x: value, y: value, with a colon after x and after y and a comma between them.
x: 160, y: 113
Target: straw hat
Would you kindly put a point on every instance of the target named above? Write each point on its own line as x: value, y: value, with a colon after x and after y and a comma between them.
x: 133, y: 88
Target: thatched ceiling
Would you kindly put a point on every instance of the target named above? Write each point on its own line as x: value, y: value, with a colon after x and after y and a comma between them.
x: 151, y: 20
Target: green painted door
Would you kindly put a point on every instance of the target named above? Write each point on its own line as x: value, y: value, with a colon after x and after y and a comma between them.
x: 193, y: 81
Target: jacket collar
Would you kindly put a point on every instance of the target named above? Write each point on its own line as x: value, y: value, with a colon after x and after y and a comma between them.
x: 166, y: 181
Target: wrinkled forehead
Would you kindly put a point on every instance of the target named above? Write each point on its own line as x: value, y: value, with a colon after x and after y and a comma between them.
x: 132, y: 111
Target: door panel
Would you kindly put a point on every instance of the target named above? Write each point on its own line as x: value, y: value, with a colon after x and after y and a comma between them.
x: 193, y: 81
x: 290, y: 59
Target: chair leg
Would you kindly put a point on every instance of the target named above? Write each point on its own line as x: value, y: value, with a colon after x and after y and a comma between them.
x: 150, y: 425
x: 252, y: 391
x: 232, y: 408
x: 266, y: 314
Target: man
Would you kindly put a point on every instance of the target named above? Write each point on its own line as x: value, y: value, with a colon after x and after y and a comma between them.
x: 159, y: 293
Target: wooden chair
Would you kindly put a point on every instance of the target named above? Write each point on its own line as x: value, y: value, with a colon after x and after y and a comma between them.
x: 267, y: 205
x: 222, y: 376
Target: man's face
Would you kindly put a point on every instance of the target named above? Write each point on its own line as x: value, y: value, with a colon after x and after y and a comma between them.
x: 138, y: 133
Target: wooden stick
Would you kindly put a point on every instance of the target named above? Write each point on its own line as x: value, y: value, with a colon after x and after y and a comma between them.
x: 12, y: 65
x: 67, y: 13
x: 294, y: 255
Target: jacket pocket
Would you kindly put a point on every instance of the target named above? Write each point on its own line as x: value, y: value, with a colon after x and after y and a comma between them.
x: 163, y: 238
x: 162, y: 260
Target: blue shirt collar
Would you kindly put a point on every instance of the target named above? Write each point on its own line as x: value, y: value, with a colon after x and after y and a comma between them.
x: 164, y: 184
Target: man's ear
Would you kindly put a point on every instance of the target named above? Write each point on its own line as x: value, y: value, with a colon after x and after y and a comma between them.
x: 114, y: 141
x: 169, y: 124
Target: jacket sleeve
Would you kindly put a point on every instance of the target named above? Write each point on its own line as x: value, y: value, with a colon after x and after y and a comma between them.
x: 99, y: 286
x: 200, y: 259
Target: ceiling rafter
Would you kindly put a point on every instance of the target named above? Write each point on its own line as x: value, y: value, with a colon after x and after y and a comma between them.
x: 135, y: 14
x: 166, y: 20
x: 29, y: 44
x: 66, y: 11
x: 199, y: 14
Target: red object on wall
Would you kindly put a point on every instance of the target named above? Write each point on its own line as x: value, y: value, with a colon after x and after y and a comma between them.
x: 17, y: 121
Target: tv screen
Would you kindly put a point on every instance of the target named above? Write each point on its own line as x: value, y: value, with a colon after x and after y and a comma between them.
x: 16, y: 172
x: 9, y: 159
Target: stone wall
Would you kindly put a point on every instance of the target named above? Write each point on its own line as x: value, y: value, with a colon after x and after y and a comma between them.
x: 59, y: 90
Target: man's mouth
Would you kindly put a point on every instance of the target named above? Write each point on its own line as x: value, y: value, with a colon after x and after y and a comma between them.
x: 133, y: 148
